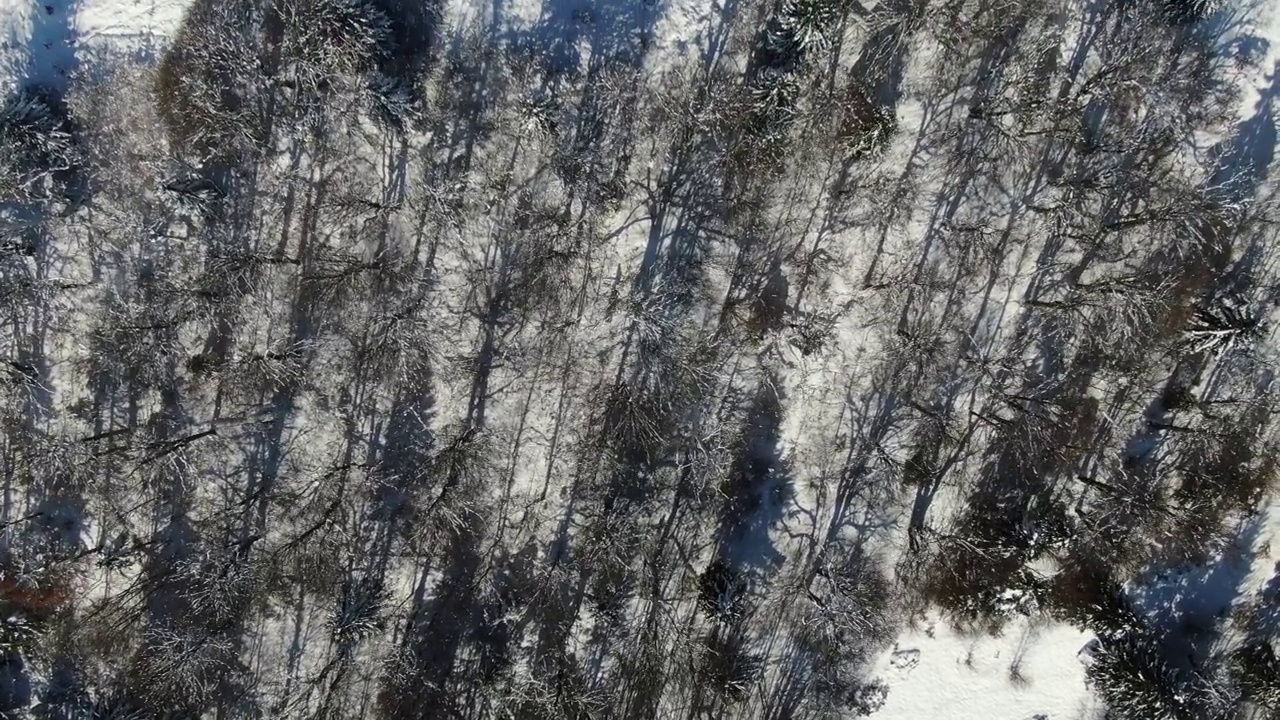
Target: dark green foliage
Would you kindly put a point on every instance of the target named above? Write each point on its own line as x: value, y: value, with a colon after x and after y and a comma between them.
x: 851, y: 618
x: 359, y: 611
x: 36, y: 141
x: 1087, y: 595
x: 727, y: 666
x: 866, y: 698
x: 1187, y: 12
x: 811, y: 24
x: 1225, y: 325
x: 208, y: 85
x: 1135, y: 681
x: 865, y: 125
x: 1255, y: 670
x: 722, y: 591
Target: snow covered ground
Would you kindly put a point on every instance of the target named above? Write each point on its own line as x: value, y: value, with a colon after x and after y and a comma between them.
x: 1031, y: 672
x: 40, y: 40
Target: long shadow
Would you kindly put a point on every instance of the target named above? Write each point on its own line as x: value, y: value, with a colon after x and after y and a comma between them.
x: 1244, y: 163
x: 436, y: 632
x: 872, y: 419
x: 51, y: 52
x: 757, y: 489
x: 612, y: 30
x: 1189, y: 605
x: 973, y: 157
x: 1050, y: 368
x: 1244, y: 168
x: 51, y: 60
x: 882, y: 63
x: 60, y: 510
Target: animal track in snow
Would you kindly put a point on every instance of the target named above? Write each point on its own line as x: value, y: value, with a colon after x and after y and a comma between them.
x: 905, y: 660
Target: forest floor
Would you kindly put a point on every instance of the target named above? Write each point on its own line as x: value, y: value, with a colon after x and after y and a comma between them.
x: 1034, y: 670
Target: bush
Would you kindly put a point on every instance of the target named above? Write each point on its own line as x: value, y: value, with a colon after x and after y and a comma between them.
x: 722, y: 591
x: 726, y: 665
x: 36, y: 140
x: 865, y: 125
x: 205, y: 80
x: 1255, y: 671
x: 1088, y: 596
x: 1129, y: 673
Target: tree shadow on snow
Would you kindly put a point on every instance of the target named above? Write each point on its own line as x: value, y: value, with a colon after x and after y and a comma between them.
x: 757, y: 490
x: 1188, y: 606
x: 610, y: 30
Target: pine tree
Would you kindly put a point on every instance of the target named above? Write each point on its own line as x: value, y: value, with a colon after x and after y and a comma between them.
x: 1129, y: 673
x: 1255, y: 670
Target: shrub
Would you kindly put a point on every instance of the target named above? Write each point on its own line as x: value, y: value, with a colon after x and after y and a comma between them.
x: 36, y: 140
x: 1136, y: 682
x: 1255, y: 671
x: 727, y: 666
x: 204, y: 80
x: 865, y: 125
x: 722, y: 591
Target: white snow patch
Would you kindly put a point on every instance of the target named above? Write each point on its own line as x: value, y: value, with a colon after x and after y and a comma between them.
x: 1031, y: 671
x: 121, y: 19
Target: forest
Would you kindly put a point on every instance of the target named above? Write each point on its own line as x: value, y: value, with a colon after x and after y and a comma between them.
x: 392, y: 359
